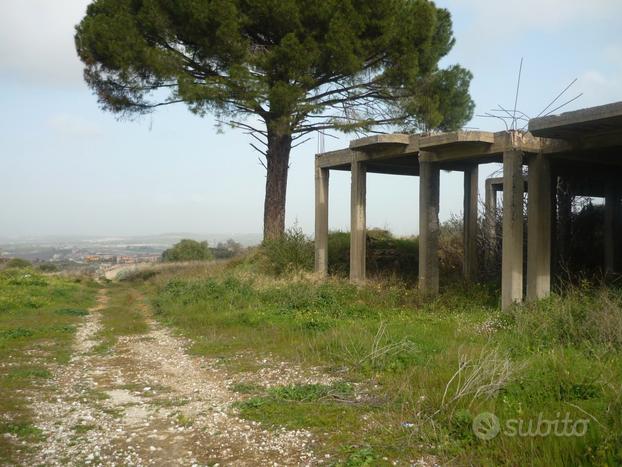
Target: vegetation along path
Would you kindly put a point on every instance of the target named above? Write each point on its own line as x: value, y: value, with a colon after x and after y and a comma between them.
x: 131, y: 395
x: 221, y: 364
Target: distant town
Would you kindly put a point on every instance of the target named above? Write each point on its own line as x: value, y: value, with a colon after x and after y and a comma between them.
x: 105, y: 252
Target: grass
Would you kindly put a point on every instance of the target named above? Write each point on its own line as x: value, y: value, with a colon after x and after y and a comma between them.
x: 412, y: 374
x: 316, y: 407
x: 38, y: 318
x: 123, y: 317
x: 406, y: 376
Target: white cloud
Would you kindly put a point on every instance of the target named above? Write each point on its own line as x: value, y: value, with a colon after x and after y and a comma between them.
x: 36, y: 40
x: 70, y: 125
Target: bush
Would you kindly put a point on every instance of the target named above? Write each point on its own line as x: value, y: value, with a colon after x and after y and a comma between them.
x: 228, y: 249
x: 47, y: 267
x: 339, y: 253
x: 18, y: 263
x: 386, y: 254
x: 188, y: 250
x: 71, y: 312
x: 582, y: 317
x: 451, y: 248
x: 292, y: 252
x: 136, y: 275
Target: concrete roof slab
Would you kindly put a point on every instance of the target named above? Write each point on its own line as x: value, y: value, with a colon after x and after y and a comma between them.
x: 463, y: 138
x: 577, y: 123
x: 373, y: 143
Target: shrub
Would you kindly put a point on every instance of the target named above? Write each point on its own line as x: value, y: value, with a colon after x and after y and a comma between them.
x: 18, y: 263
x: 311, y: 392
x: 228, y: 249
x: 22, y: 278
x: 137, y: 275
x: 16, y: 333
x: 582, y: 317
x: 339, y: 253
x: 188, y: 250
x: 294, y: 251
x: 386, y: 254
x: 71, y: 312
x: 451, y: 247
x: 47, y: 267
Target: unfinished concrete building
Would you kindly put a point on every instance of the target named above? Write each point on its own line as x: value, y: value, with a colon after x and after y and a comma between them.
x: 581, y: 148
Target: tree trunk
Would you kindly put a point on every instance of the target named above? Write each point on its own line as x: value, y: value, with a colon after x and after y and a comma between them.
x: 279, y: 148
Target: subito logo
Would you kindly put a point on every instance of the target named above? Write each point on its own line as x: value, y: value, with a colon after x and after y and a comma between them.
x: 486, y: 426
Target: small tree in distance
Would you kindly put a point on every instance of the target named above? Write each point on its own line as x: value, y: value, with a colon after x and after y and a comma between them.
x: 278, y: 69
x: 188, y: 250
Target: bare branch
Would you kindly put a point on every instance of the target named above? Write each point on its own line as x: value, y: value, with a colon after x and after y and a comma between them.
x: 159, y: 104
x: 260, y: 151
x: 246, y: 126
x: 257, y: 138
x: 300, y: 143
x: 262, y: 163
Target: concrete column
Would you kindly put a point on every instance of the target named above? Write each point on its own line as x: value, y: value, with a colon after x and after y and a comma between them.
x: 539, y: 228
x: 512, y: 262
x: 470, y: 223
x: 321, y: 220
x: 357, y: 222
x: 429, y: 181
x: 491, y: 222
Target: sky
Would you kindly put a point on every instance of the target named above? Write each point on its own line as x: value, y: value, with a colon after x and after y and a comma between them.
x: 68, y: 168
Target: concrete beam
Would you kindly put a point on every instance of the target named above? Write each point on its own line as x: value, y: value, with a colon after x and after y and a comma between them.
x: 435, y: 142
x: 539, y: 228
x: 429, y: 182
x: 481, y: 150
x: 496, y: 183
x: 357, y: 222
x: 470, y: 266
x: 392, y: 169
x: 342, y: 157
x: 371, y: 143
x: 600, y: 116
x: 321, y: 220
x: 512, y: 261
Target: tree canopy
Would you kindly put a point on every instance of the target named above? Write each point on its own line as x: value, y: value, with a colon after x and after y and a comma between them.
x: 280, y: 69
x: 188, y: 250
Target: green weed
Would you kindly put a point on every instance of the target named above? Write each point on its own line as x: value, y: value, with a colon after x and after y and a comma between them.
x: 71, y: 312
x: 424, y: 368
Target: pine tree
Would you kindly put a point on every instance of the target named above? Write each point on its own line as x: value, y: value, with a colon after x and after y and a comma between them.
x: 278, y: 69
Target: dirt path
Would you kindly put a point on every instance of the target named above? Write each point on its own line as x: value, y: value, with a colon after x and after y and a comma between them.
x: 149, y: 403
